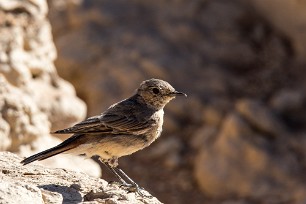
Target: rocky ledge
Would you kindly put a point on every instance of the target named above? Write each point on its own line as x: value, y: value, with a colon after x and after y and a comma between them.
x: 37, y: 184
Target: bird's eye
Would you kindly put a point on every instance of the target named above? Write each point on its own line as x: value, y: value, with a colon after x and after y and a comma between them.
x: 155, y: 90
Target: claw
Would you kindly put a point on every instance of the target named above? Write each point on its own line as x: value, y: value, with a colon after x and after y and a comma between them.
x: 135, y: 188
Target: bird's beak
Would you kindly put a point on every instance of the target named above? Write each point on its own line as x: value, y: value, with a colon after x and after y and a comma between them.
x: 176, y: 93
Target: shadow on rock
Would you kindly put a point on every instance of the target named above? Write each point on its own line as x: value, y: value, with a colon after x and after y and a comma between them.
x: 70, y: 194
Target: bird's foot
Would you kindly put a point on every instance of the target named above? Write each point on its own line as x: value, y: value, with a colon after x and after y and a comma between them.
x: 135, y: 188
x: 130, y: 188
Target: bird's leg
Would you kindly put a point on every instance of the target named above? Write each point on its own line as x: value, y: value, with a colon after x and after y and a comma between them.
x: 122, y: 174
x: 125, y: 180
x: 106, y: 163
x: 132, y: 186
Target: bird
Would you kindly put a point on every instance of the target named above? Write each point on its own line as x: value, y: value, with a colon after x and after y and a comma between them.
x: 124, y: 128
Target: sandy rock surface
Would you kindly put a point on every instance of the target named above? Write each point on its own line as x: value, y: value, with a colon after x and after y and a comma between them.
x: 34, y: 100
x: 37, y: 184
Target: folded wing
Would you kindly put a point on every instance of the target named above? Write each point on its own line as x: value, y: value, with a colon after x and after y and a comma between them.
x: 110, y: 123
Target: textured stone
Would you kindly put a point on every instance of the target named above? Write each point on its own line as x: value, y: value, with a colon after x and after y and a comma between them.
x: 38, y: 184
x: 34, y: 100
x: 26, y: 122
x: 18, y: 192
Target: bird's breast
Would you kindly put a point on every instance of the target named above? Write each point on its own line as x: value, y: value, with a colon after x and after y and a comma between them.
x: 156, y: 129
x: 160, y: 121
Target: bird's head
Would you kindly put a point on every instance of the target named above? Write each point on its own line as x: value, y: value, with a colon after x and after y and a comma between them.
x: 157, y: 93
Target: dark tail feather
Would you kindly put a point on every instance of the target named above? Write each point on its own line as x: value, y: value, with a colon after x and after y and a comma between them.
x: 64, y: 146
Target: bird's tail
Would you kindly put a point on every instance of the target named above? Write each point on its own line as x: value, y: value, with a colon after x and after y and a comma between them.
x: 68, y: 144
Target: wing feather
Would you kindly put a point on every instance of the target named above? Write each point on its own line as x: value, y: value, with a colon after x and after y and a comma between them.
x: 117, y: 119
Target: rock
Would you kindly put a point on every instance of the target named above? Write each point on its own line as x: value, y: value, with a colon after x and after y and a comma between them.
x: 212, y: 116
x: 26, y: 122
x: 67, y: 161
x: 288, y: 17
x: 288, y: 100
x: 28, y: 130
x: 239, y: 164
x: 203, y: 137
x: 38, y: 184
x: 223, y: 164
x: 290, y: 105
x: 168, y: 149
x: 18, y: 192
x: 261, y: 117
x: 34, y: 100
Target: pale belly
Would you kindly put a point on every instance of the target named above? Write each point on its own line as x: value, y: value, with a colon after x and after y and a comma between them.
x: 107, y: 150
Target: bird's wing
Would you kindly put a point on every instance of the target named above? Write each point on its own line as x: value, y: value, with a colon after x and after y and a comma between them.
x: 111, y: 121
x: 90, y: 125
x: 128, y: 124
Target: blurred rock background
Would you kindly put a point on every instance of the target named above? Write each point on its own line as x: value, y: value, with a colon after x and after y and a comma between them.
x: 33, y: 98
x: 240, y: 136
